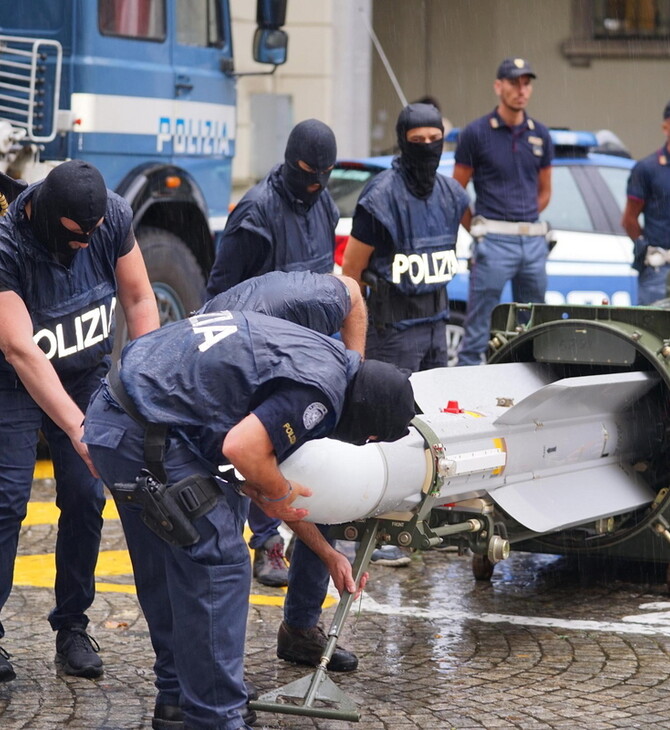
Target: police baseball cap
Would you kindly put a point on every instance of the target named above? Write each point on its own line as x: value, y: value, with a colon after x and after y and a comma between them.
x: 666, y: 111
x: 512, y: 68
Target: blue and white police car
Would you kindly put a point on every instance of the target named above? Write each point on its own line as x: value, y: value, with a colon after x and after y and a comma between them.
x: 590, y: 261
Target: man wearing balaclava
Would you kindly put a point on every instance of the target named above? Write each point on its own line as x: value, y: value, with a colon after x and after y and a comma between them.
x: 401, y: 248
x: 67, y: 251
x: 284, y: 223
x: 402, y: 253
x: 257, y: 376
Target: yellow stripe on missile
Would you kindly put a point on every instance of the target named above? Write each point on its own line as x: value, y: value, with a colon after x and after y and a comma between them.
x: 502, y: 446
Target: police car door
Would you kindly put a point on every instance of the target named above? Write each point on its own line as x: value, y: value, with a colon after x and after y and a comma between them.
x: 203, y: 125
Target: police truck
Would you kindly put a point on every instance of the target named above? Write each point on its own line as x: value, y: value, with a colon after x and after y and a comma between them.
x: 145, y: 91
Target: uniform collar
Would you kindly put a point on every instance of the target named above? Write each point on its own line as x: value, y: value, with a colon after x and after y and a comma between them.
x: 496, y: 121
x: 663, y: 155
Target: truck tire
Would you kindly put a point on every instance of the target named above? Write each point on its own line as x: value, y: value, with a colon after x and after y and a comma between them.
x: 177, y: 279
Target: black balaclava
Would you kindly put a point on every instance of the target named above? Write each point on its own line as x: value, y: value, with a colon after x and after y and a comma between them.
x: 312, y: 142
x: 379, y: 402
x: 72, y: 190
x: 418, y: 162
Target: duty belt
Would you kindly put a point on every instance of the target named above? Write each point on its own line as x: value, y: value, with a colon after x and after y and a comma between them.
x: 480, y: 226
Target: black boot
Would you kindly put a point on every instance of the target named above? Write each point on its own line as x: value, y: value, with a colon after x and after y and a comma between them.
x: 77, y: 652
x: 7, y: 672
x: 306, y: 646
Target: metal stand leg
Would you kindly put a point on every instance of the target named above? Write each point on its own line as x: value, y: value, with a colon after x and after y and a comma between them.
x: 318, y: 686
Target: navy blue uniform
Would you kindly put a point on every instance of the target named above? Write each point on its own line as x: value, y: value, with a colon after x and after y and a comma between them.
x: 72, y: 314
x: 649, y: 182
x: 292, y: 297
x: 414, y: 259
x: 506, y: 162
x: 271, y: 230
x: 202, y: 376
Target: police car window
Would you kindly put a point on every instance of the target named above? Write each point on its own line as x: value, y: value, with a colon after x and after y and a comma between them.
x: 567, y: 209
x: 198, y: 23
x: 345, y: 185
x: 143, y: 19
x: 616, y: 179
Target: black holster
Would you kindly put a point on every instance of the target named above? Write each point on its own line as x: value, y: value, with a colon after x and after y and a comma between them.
x: 169, y: 510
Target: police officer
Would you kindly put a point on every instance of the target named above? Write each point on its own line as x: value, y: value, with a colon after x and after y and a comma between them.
x: 239, y: 388
x: 67, y: 250
x: 649, y: 193
x: 508, y: 156
x: 402, y: 246
x: 284, y: 223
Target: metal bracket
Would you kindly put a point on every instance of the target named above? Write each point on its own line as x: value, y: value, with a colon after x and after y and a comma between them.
x: 318, y: 687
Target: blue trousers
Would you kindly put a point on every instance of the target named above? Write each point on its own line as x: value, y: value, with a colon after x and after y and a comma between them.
x: 261, y: 526
x: 79, y: 497
x: 652, y: 284
x: 195, y: 599
x: 497, y: 260
x: 308, y: 580
x: 419, y: 347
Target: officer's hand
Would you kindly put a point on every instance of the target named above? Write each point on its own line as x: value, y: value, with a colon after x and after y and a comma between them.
x: 339, y: 568
x: 280, y: 509
x: 82, y: 449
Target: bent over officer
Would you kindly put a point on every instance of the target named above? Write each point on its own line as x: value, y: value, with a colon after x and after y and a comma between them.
x: 508, y: 156
x: 221, y: 388
x: 284, y: 223
x: 67, y: 250
x: 649, y: 193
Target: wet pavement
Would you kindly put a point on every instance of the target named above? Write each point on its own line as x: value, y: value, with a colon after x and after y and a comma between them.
x: 546, y: 644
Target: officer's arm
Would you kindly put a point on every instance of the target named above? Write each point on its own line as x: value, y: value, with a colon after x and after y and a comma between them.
x: 135, y: 293
x: 630, y: 222
x: 354, y: 327
x: 36, y: 372
x: 543, y: 188
x: 356, y: 258
x: 338, y: 565
x: 247, y: 446
x: 463, y: 175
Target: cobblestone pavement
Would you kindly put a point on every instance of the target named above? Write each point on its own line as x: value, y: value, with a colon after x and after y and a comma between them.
x: 545, y: 644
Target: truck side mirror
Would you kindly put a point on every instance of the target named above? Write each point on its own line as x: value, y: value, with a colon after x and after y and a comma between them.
x: 270, y: 46
x: 270, y: 42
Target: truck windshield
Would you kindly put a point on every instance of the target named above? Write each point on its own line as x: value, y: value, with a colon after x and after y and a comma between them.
x: 198, y: 23
x: 143, y: 19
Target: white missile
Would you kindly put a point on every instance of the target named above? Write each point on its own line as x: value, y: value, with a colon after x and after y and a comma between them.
x: 551, y: 453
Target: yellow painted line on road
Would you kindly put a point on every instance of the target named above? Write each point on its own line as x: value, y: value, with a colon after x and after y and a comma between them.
x: 43, y: 470
x: 39, y: 571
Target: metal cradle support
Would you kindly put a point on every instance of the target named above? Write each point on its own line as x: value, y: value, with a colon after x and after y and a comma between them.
x: 318, y: 687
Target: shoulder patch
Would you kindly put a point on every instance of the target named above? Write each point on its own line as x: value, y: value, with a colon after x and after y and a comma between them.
x: 313, y: 415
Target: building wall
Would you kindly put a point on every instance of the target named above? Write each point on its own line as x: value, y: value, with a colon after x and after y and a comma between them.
x: 451, y: 49
x: 327, y: 75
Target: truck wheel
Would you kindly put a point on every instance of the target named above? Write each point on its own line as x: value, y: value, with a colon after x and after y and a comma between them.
x: 454, y: 335
x: 176, y: 278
